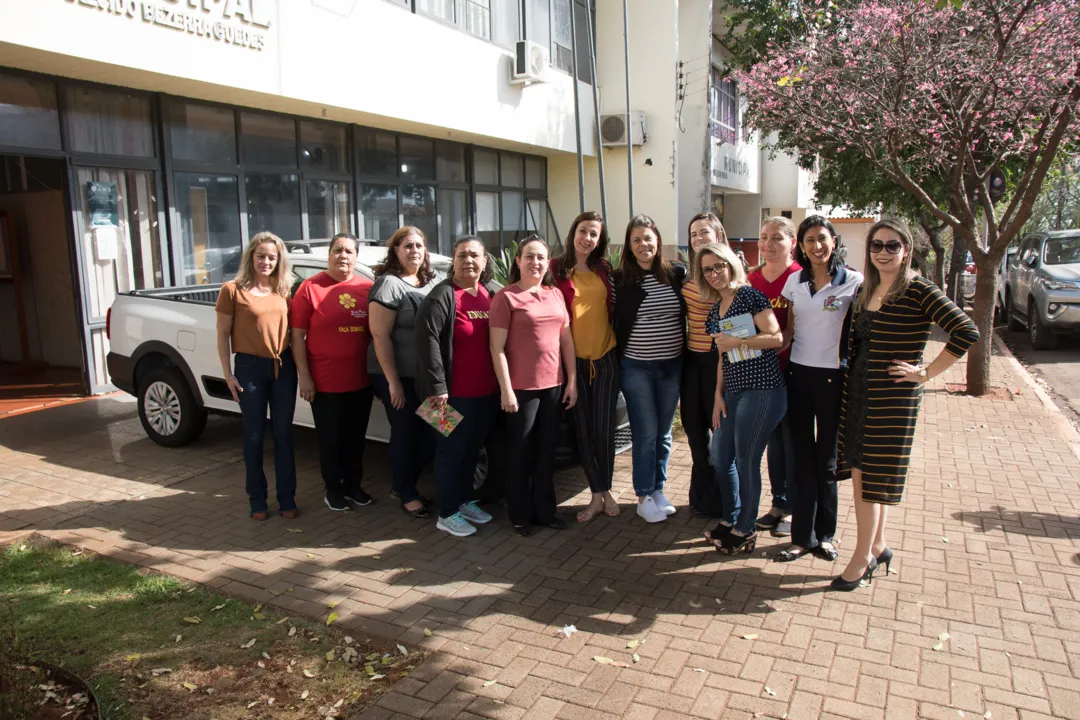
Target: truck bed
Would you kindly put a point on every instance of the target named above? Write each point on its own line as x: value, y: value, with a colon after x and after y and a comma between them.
x: 196, y: 294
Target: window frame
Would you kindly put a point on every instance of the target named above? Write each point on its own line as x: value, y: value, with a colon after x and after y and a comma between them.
x: 723, y: 107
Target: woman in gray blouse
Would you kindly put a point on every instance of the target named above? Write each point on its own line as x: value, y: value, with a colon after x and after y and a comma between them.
x: 401, y: 284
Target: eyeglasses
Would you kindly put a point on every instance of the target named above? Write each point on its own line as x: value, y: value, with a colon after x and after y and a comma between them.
x: 717, y: 269
x: 893, y: 247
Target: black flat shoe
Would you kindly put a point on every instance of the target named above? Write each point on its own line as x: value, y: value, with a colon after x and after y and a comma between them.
x: 825, y: 553
x: 791, y: 554
x: 556, y: 524
x: 421, y: 513
x: 839, y: 583
x: 523, y: 530
x: 885, y: 558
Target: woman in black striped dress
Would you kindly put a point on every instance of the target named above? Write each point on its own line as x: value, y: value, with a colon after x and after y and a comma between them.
x: 893, y: 315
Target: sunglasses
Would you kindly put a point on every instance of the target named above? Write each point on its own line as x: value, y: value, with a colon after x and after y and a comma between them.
x: 893, y: 247
x: 717, y: 269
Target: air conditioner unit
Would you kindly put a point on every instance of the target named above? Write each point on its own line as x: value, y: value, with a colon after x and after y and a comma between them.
x: 613, y: 129
x: 531, y: 62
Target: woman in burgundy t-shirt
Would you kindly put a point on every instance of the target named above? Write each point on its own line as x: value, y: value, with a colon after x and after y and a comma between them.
x: 531, y: 343
x: 776, y: 244
x: 454, y: 368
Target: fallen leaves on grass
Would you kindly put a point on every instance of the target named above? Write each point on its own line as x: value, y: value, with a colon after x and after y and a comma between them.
x: 427, y: 633
x: 160, y: 671
x: 218, y: 607
x: 308, y: 673
x: 190, y: 686
x: 293, y: 530
x: 331, y: 618
x: 193, y: 620
x: 248, y: 644
x: 402, y: 650
x: 304, y: 695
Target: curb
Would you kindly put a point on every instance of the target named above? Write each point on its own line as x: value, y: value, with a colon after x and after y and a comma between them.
x: 1068, y: 433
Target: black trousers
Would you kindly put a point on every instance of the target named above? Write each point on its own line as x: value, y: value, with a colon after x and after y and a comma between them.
x: 813, y: 399
x: 594, y: 418
x: 531, y: 433
x: 341, y: 421
x: 695, y: 409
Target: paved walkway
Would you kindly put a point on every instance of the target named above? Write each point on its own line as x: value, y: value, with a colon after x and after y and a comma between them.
x: 986, y: 543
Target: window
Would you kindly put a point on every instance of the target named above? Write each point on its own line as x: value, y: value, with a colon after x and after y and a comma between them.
x: 322, y: 146
x: 453, y: 217
x: 377, y: 153
x: 486, y: 170
x: 202, y: 133
x: 267, y: 139
x: 512, y: 170
x: 208, y: 215
x: 562, y: 52
x: 273, y: 204
x: 417, y: 158
x: 28, y: 113
x: 473, y: 16
x: 327, y: 208
x: 723, y: 108
x: 535, y: 174
x: 418, y: 209
x: 108, y: 122
x: 378, y: 212
x: 487, y: 220
x: 450, y: 162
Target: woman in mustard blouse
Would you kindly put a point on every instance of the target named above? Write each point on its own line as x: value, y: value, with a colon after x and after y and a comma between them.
x: 584, y: 276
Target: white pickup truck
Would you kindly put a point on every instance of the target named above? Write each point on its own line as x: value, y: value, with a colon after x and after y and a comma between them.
x: 163, y: 350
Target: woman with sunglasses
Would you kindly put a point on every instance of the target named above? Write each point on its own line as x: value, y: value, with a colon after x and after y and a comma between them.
x: 894, y: 312
x: 818, y: 327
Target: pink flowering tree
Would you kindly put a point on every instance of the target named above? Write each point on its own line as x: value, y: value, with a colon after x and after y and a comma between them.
x: 937, y: 98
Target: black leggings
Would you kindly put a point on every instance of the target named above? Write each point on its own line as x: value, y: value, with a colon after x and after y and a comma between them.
x: 341, y: 421
x: 531, y: 433
x: 695, y: 409
x: 813, y: 399
x: 594, y: 418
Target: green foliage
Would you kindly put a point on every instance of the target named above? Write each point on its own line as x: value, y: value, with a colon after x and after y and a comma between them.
x: 18, y: 699
x: 1058, y: 205
x: 502, y: 263
x: 751, y: 26
x: 614, y: 254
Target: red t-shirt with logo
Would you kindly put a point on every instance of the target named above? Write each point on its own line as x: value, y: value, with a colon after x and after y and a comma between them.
x: 472, y: 374
x: 334, y: 314
x: 780, y: 304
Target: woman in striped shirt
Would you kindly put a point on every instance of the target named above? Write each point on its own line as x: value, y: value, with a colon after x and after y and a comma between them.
x: 650, y: 324
x: 893, y: 314
x: 699, y: 375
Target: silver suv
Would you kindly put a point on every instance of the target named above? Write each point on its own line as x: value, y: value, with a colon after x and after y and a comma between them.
x: 1043, y: 290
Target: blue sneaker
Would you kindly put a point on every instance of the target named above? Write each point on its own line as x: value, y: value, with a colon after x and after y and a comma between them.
x: 456, y: 525
x: 472, y: 512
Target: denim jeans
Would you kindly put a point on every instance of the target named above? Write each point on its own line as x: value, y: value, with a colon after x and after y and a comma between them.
x: 456, y: 454
x: 781, y: 459
x: 412, y: 444
x: 263, y: 391
x: 651, y: 391
x: 737, y: 447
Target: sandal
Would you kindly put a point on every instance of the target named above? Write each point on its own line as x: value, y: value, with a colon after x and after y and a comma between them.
x: 720, y: 531
x: 825, y: 553
x: 589, y: 513
x: 733, y: 544
x: 791, y: 554
x: 611, y: 509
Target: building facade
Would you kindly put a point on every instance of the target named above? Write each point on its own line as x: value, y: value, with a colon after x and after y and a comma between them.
x: 142, y: 141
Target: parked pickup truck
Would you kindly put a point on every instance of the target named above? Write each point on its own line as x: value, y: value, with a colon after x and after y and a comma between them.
x: 163, y: 350
x: 1043, y: 291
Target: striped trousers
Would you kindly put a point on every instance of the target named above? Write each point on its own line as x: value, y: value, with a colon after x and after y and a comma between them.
x: 594, y: 418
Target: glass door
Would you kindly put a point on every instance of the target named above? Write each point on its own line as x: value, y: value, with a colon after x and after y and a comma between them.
x: 118, y: 241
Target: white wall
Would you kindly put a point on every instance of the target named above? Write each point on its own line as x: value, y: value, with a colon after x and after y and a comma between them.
x: 363, y: 61
x: 695, y: 45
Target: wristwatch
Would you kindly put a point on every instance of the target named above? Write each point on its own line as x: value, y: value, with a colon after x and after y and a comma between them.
x: 923, y: 377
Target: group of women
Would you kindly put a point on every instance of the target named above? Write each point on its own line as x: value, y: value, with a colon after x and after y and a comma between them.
x: 802, y: 356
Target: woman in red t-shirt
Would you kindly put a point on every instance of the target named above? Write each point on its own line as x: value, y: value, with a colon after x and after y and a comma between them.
x: 453, y: 367
x: 330, y: 340
x: 776, y: 244
x: 531, y: 343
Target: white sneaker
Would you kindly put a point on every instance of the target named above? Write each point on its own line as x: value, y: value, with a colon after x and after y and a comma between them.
x: 663, y: 503
x: 650, y: 512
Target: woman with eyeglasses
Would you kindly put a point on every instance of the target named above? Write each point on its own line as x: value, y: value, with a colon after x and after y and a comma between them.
x: 817, y: 333
x: 699, y: 376
x: 750, y: 397
x: 775, y: 245
x: 893, y: 314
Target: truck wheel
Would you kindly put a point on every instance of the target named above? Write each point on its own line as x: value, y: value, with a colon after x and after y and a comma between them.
x: 1010, y: 314
x: 168, y: 411
x: 1038, y: 331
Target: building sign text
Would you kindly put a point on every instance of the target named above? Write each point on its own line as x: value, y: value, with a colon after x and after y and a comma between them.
x: 243, y: 23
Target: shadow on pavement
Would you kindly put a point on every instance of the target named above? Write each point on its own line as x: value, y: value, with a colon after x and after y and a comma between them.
x: 1023, y: 522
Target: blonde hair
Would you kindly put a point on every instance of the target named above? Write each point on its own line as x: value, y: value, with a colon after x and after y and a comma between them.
x: 736, y: 271
x: 787, y: 227
x: 281, y: 280
x: 871, y: 274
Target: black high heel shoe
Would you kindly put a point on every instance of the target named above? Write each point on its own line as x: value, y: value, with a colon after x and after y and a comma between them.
x: 885, y: 558
x: 717, y: 533
x: 733, y: 544
x: 839, y: 583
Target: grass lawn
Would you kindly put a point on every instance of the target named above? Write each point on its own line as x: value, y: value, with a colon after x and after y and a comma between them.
x: 155, y: 647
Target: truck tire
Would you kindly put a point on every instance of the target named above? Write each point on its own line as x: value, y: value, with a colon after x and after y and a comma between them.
x: 1014, y: 323
x: 1038, y: 331
x: 167, y: 408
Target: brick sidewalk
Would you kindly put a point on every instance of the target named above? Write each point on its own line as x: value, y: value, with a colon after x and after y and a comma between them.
x: 986, y: 542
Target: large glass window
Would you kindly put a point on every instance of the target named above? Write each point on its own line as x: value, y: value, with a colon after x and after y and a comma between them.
x: 724, y: 108
x: 268, y: 139
x: 417, y: 158
x: 562, y: 32
x: 377, y: 152
x: 510, y: 197
x: 202, y: 133
x: 473, y: 16
x: 513, y: 217
x: 273, y: 204
x: 454, y: 218
x: 28, y: 113
x: 512, y: 173
x: 378, y: 212
x: 418, y: 208
x: 450, y: 162
x: 535, y: 174
x: 208, y: 211
x: 506, y: 22
x: 536, y: 212
x: 322, y: 146
x: 108, y: 122
x: 486, y: 167
x: 328, y: 208
x: 487, y: 220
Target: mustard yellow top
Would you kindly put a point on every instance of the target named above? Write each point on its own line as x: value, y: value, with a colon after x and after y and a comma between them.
x: 589, y: 323
x: 697, y: 311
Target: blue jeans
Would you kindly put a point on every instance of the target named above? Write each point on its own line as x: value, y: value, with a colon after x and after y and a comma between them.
x: 261, y: 390
x: 456, y: 454
x: 651, y: 390
x: 412, y: 444
x: 781, y: 457
x: 737, y: 447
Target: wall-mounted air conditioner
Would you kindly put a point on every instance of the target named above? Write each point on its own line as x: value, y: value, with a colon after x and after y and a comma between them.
x: 613, y: 129
x: 531, y: 62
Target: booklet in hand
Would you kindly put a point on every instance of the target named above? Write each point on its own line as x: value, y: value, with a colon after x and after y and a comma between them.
x: 443, y: 419
x: 740, y: 326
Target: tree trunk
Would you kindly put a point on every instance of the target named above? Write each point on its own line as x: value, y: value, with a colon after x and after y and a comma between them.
x: 939, y: 257
x: 957, y: 263
x: 978, y: 360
